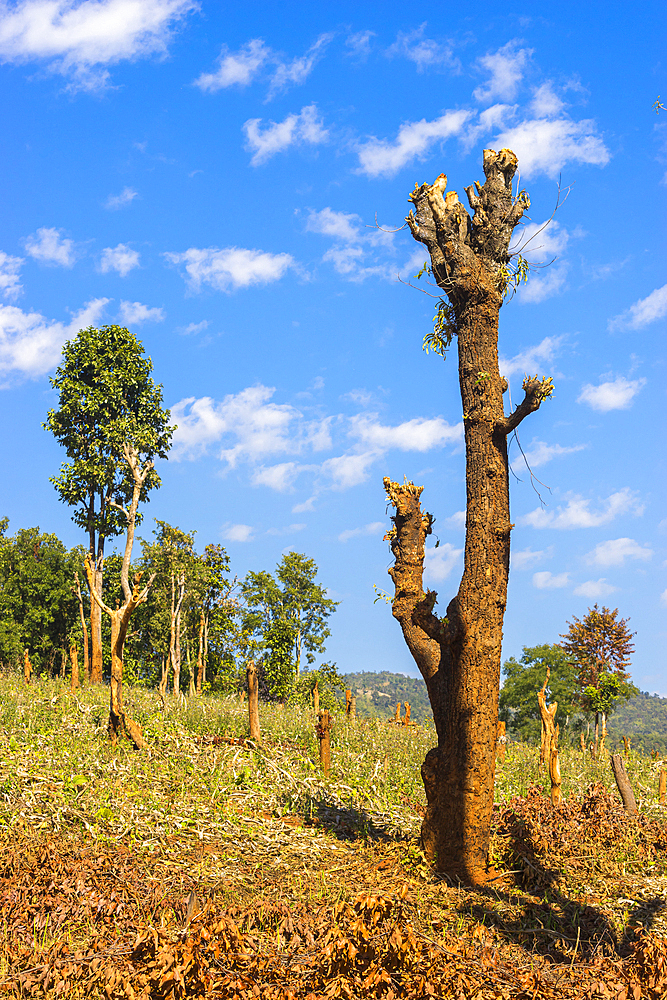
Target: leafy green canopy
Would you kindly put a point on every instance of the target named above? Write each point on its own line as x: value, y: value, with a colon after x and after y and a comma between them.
x: 38, y: 607
x: 106, y: 399
x: 601, y: 645
x: 518, y: 706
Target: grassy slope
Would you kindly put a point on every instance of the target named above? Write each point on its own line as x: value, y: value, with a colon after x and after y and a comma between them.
x: 222, y: 819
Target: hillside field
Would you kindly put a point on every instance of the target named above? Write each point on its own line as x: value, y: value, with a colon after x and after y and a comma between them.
x: 210, y: 866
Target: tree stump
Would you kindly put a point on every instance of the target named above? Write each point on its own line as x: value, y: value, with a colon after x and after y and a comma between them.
x: 549, y: 745
x: 253, y: 701
x: 348, y: 701
x: 316, y: 700
x: 27, y: 666
x: 397, y: 714
x: 353, y: 708
x: 74, y: 660
x: 406, y: 719
x: 623, y: 784
x: 662, y: 787
x: 323, y: 730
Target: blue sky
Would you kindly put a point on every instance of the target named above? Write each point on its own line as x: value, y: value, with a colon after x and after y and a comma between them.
x: 211, y: 176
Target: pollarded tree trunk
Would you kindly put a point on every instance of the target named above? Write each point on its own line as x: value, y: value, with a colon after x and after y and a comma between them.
x: 459, y: 655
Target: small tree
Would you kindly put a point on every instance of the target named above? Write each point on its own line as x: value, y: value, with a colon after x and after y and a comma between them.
x: 458, y: 654
x: 601, y: 646
x: 106, y: 400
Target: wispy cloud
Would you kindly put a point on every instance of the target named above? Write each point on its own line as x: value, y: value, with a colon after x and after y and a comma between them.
x: 30, y: 345
x: 306, y: 128
x: 135, y: 313
x: 425, y: 52
x: 615, y: 551
x: 616, y: 395
x: 526, y: 558
x: 120, y: 258
x: 236, y: 69
x: 116, y: 201
x: 533, y: 358
x: 230, y: 268
x: 542, y: 243
x: 10, y: 270
x: 577, y: 512
x: 539, y: 453
x: 505, y: 67
x: 643, y: 312
x: 359, y: 44
x: 544, y: 146
x: 374, y: 528
x: 418, y: 434
x: 359, y: 251
x: 79, y: 39
x: 297, y: 71
x: 238, y: 533
x: 593, y: 589
x: 48, y: 246
x: 384, y: 157
x: 194, y: 328
x: 549, y: 581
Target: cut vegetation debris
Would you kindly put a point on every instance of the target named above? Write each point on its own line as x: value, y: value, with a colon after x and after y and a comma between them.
x: 207, y: 865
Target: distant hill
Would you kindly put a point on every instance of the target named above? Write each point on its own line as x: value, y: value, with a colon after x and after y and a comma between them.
x: 644, y: 720
x: 378, y: 694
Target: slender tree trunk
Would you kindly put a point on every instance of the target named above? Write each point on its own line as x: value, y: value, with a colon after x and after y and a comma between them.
x: 316, y: 700
x: 253, y: 701
x: 459, y: 655
x: 164, y: 676
x: 177, y: 597
x: 603, y: 731
x: 96, y: 660
x: 177, y: 658
x: 27, y: 666
x: 84, y: 630
x: 200, y: 653
x: 623, y: 784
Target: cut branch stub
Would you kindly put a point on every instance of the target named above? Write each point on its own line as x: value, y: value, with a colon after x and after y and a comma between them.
x: 623, y: 784
x: 323, y: 732
x: 253, y: 701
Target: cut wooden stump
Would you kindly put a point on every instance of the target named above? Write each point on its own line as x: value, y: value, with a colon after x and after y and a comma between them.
x: 623, y: 784
x: 253, y: 701
x: 662, y: 787
x: 323, y: 730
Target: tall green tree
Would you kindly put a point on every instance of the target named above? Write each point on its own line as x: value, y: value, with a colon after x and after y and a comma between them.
x: 518, y: 706
x: 107, y: 403
x: 305, y: 606
x: 601, y: 646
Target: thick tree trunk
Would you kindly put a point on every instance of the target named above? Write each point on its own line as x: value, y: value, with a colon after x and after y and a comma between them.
x: 459, y: 656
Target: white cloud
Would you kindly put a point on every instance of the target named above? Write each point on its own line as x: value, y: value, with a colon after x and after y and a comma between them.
x: 299, y: 69
x: 418, y: 434
x: 541, y: 243
x: 115, y: 201
x: 30, y: 345
x: 359, y: 44
x: 545, y: 146
x: 548, y: 581
x: 615, y: 551
x: 230, y: 268
x: 539, y: 453
x: 383, y: 158
x: 120, y: 258
x: 356, y: 244
x: 78, y: 39
x: 424, y: 52
x: 616, y: 395
x: 340, y: 225
x: 236, y: 68
x: 439, y: 563
x: 135, y: 313
x: 528, y: 361
x: 346, y: 471
x: 663, y: 597
x: 577, y: 513
x: 374, y: 528
x: 545, y: 103
x: 49, y: 247
x: 304, y: 128
x: 238, y: 533
x: 194, y: 328
x: 288, y: 530
x: 526, y: 559
x: 457, y: 520
x: 10, y: 267
x: 506, y: 68
x: 593, y: 589
x: 643, y: 312
x: 278, y: 477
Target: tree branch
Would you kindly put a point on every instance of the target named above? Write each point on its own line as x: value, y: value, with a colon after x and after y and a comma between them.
x: 536, y: 390
x: 98, y: 600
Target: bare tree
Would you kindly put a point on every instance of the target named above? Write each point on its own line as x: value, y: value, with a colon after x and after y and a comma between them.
x: 459, y: 654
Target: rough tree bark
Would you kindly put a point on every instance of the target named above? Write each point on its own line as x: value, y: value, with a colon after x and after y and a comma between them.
x: 119, y: 722
x: 253, y: 701
x: 177, y: 597
x: 459, y: 655
x: 200, y: 654
x: 84, y: 630
x: 74, y: 660
x: 549, y: 742
x: 27, y: 666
